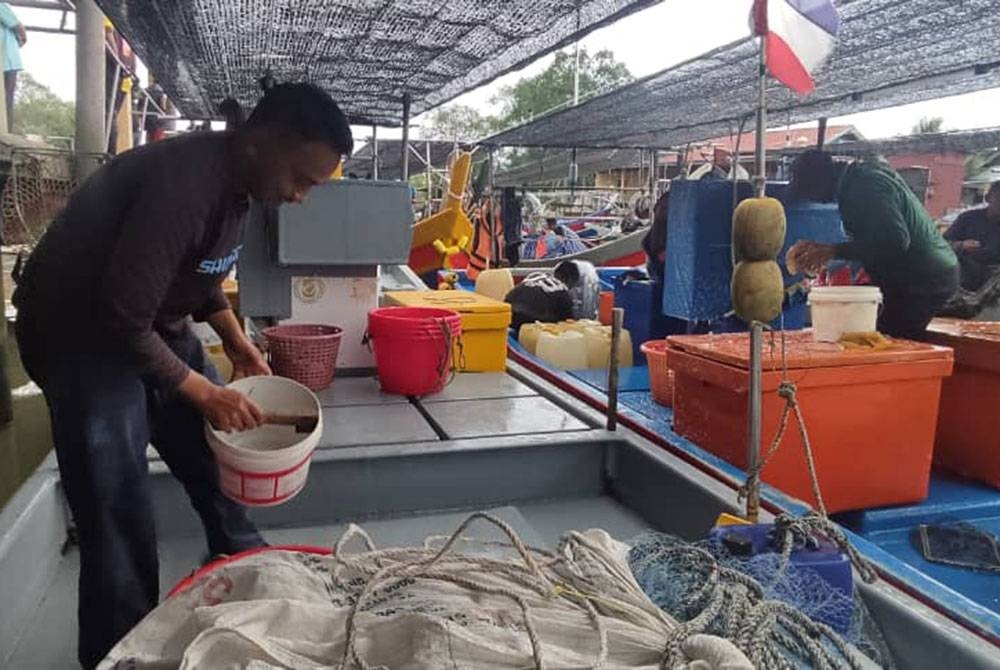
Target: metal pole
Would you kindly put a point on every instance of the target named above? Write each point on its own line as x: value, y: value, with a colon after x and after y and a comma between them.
x: 653, y: 156
x: 821, y: 133
x: 375, y: 152
x: 430, y: 176
x: 142, y: 119
x: 110, y: 119
x: 6, y: 125
x: 617, y: 318
x: 90, y: 110
x: 494, y: 260
x: 760, y: 179
x: 756, y: 328
x: 405, y: 167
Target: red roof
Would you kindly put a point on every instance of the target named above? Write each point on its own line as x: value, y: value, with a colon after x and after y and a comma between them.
x: 775, y: 140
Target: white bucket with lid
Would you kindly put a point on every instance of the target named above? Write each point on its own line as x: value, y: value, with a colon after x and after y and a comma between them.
x: 268, y: 465
x: 837, y: 310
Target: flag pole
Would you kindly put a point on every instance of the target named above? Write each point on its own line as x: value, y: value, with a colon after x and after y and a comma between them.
x: 757, y: 328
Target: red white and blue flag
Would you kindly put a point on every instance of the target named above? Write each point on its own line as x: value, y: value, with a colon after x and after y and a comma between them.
x: 799, y: 36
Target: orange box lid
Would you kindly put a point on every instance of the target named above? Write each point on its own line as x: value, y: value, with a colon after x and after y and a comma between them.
x: 954, y: 330
x: 801, y: 351
x: 976, y: 343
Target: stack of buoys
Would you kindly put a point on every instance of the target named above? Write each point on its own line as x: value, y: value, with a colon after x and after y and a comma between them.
x: 758, y: 289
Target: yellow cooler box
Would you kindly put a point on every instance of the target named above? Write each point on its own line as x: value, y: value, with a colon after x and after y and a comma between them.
x: 484, y: 324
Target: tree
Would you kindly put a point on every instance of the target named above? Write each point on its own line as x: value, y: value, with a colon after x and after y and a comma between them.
x: 533, y: 96
x: 39, y: 111
x: 928, y: 125
x: 457, y: 122
x: 553, y: 88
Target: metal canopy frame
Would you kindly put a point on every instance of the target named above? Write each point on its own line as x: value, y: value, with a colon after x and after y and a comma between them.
x: 891, y: 52
x: 64, y: 6
x: 367, y: 54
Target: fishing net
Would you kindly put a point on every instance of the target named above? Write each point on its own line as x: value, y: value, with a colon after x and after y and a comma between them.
x: 462, y: 603
x: 770, y: 608
x: 38, y: 186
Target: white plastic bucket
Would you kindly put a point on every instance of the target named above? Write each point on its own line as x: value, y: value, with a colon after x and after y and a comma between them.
x: 268, y: 465
x: 837, y: 310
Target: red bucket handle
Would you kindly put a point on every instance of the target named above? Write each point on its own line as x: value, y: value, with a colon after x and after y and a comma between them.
x: 450, y: 341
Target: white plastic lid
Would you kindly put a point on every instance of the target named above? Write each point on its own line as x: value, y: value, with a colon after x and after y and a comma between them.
x: 845, y: 294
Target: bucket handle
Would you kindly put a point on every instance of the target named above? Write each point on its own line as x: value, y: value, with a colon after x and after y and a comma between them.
x: 367, y: 338
x: 449, y: 342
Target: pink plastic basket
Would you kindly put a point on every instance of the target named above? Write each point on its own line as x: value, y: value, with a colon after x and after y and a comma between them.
x: 306, y: 353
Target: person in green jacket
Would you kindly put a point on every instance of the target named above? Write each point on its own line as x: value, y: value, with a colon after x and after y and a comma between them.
x: 890, y: 233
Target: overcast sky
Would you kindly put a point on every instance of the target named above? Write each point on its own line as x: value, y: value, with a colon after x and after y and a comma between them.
x: 646, y: 42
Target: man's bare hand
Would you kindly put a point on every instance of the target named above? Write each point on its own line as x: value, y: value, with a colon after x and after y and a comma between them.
x: 248, y: 361
x: 231, y: 411
x: 809, y: 257
x: 224, y: 408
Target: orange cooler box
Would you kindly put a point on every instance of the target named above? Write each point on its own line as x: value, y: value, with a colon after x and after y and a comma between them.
x: 968, y: 436
x: 484, y: 324
x: 871, y: 415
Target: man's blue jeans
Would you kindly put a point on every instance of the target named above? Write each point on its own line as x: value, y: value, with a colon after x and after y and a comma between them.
x: 104, y: 414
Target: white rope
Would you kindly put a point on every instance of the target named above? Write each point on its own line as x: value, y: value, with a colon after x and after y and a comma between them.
x: 462, y: 570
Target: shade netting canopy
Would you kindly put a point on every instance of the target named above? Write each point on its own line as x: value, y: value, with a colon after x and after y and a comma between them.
x: 890, y: 52
x: 366, y: 53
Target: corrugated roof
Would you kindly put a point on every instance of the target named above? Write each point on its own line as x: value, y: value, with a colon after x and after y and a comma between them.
x: 366, y: 53
x: 890, y: 52
x: 962, y: 141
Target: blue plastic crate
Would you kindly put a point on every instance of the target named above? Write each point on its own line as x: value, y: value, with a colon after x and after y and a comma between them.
x: 699, y: 247
x: 641, y: 300
x: 825, y: 559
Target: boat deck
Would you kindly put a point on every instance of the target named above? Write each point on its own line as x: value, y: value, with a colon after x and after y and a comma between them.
x: 513, y: 444
x: 358, y: 417
x: 951, y: 499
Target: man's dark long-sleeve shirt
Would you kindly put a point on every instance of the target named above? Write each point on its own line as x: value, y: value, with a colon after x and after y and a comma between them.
x: 891, y: 232
x: 976, y: 225
x: 145, y: 242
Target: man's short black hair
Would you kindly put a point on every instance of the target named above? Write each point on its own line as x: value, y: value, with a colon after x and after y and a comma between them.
x: 814, y: 175
x: 306, y: 111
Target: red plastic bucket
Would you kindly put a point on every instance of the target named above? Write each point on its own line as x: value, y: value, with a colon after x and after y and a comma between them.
x: 413, y: 347
x: 306, y: 353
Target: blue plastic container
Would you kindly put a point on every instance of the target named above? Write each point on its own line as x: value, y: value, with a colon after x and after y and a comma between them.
x: 641, y: 300
x: 825, y: 559
x: 699, y: 249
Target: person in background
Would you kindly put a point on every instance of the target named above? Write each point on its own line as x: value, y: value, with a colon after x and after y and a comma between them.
x: 156, y: 127
x: 541, y: 297
x: 14, y: 37
x: 891, y: 234
x: 975, y: 237
x: 654, y: 243
x: 144, y: 244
